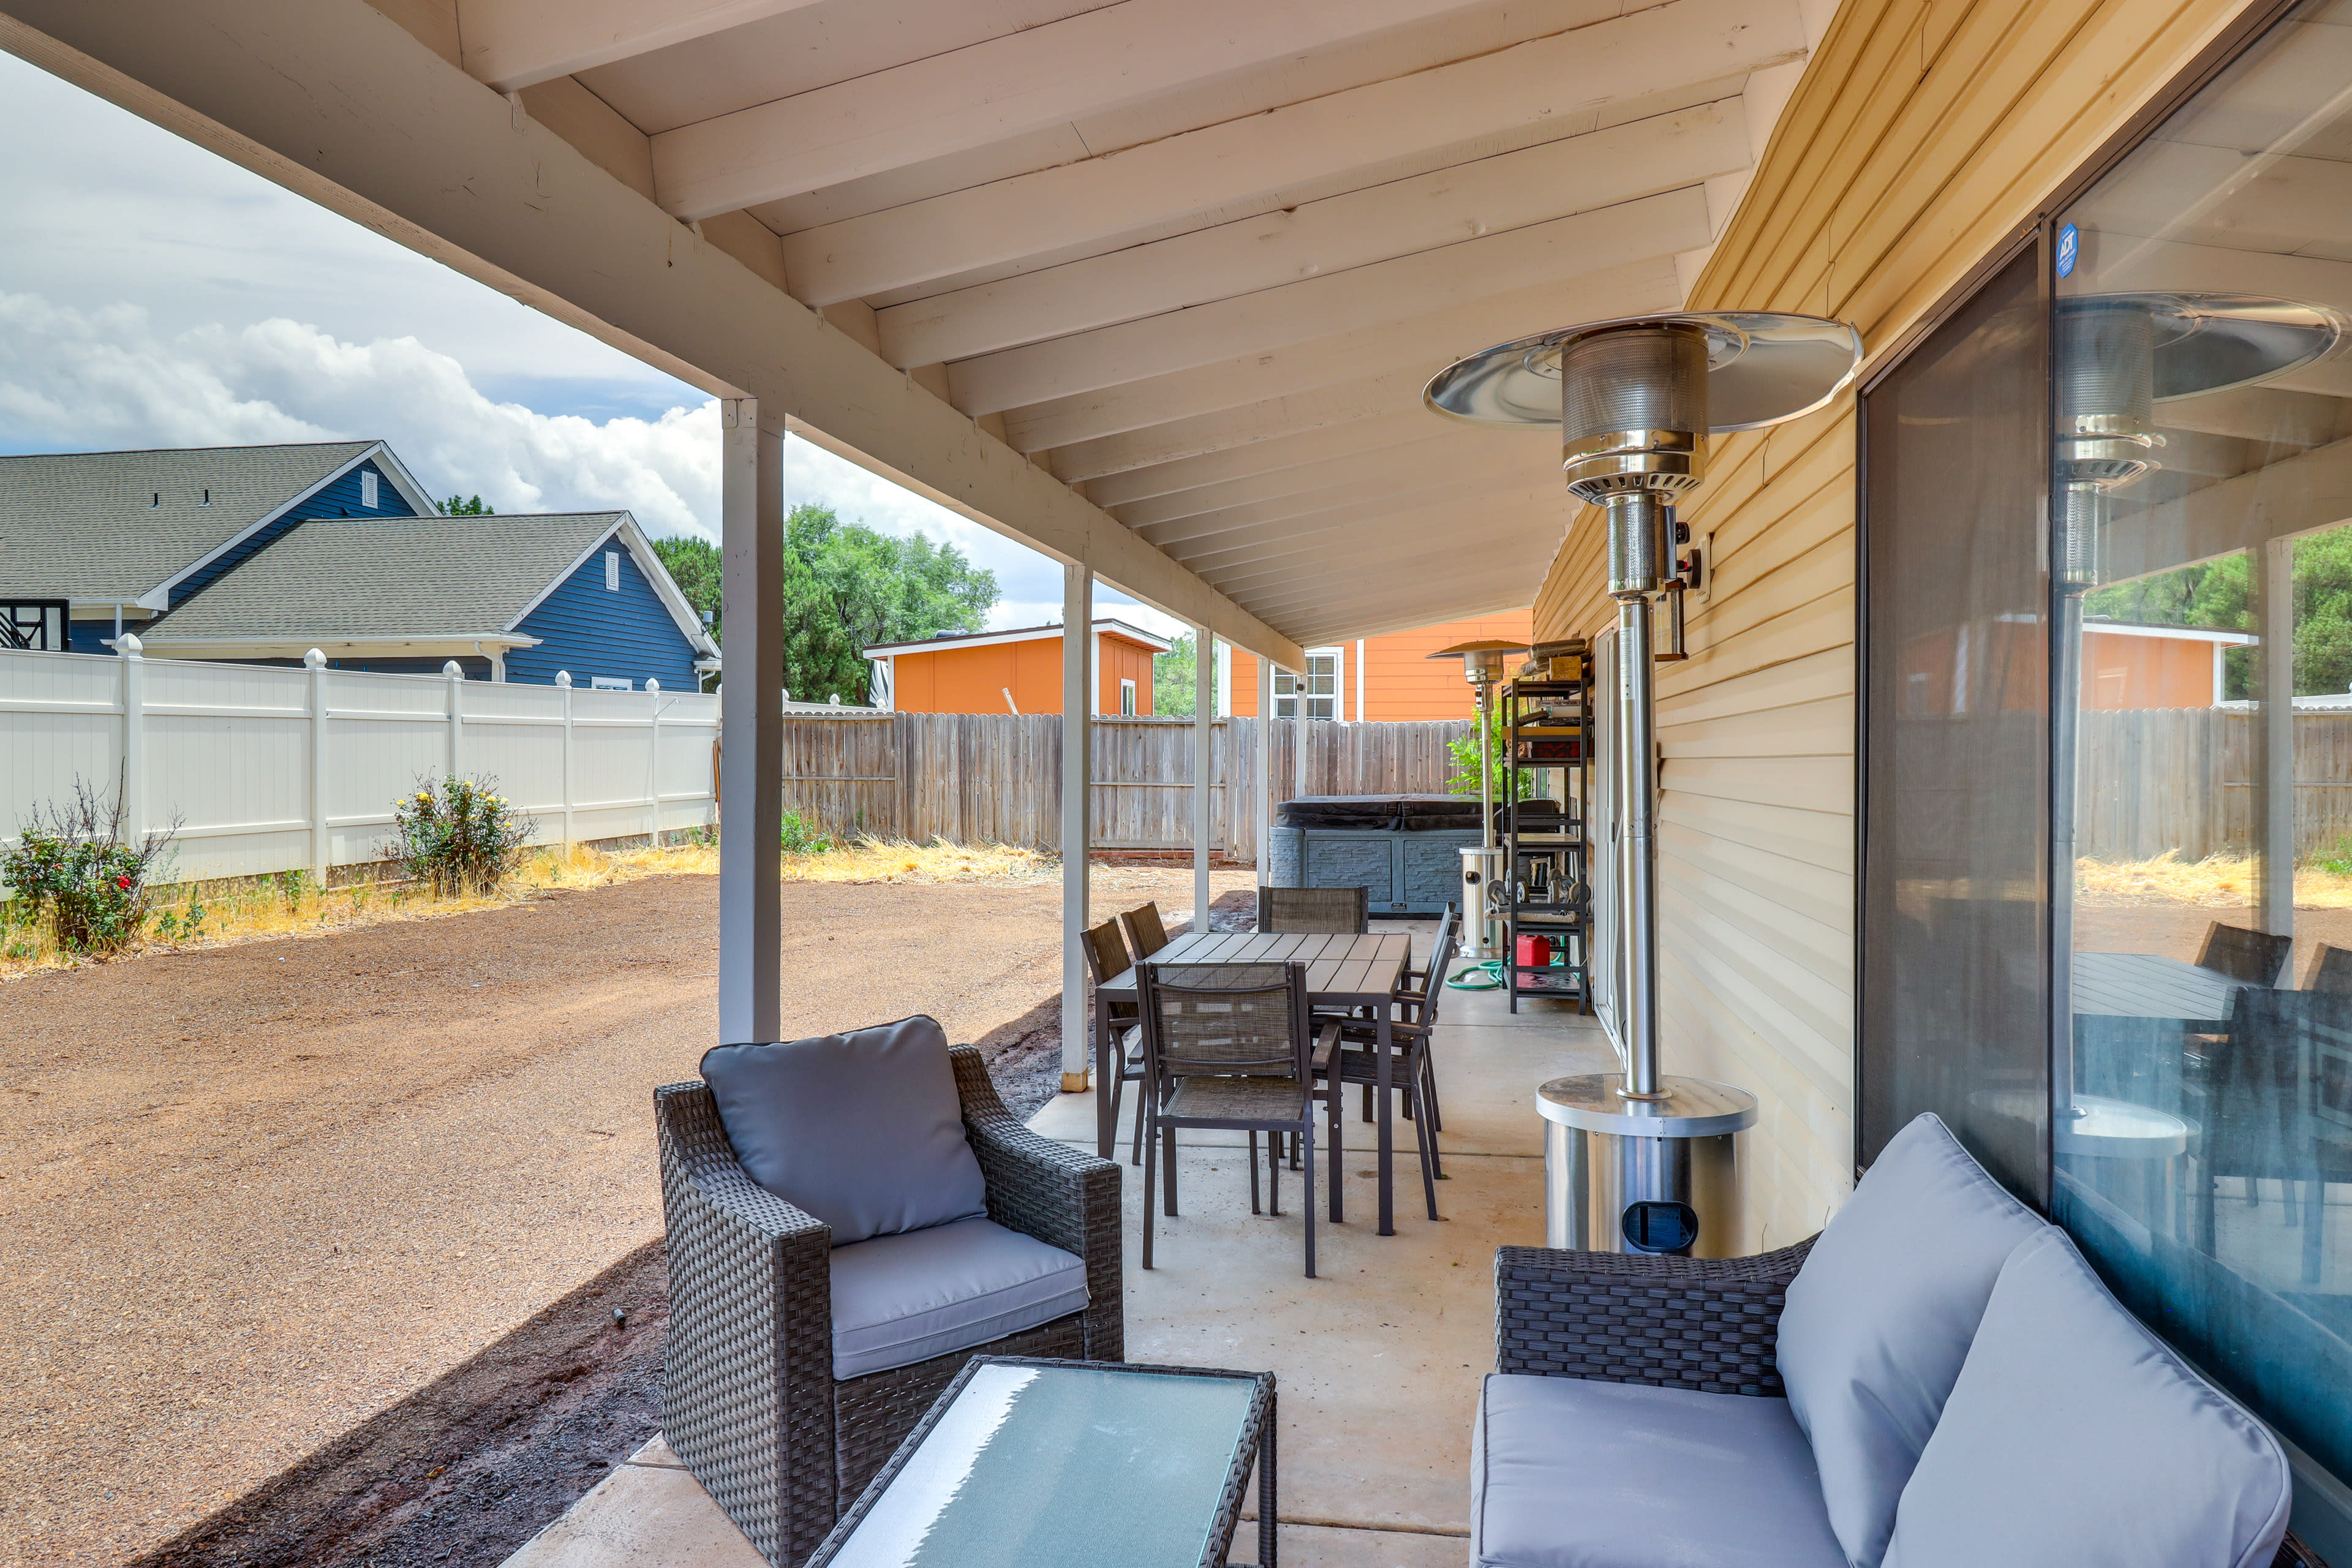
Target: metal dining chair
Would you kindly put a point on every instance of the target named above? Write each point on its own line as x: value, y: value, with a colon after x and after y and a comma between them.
x: 1227, y: 1047
x: 1107, y: 959
x: 1412, y: 1075
x: 1328, y: 909
x: 2331, y: 971
x: 2255, y: 957
x: 1145, y: 934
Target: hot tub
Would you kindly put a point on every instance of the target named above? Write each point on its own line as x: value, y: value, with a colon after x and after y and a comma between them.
x: 1403, y: 850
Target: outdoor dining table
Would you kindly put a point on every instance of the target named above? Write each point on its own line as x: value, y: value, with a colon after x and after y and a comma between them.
x: 1343, y: 972
x: 2146, y: 985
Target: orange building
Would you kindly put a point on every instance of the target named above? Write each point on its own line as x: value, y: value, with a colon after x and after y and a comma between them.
x: 2003, y: 667
x: 1017, y: 671
x: 1374, y: 678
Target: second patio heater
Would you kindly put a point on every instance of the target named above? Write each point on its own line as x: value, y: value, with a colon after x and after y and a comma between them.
x: 1638, y: 1161
x: 1482, y: 868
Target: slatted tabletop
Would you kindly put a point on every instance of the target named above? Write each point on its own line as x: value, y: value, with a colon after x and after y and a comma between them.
x: 2143, y: 985
x: 1341, y: 969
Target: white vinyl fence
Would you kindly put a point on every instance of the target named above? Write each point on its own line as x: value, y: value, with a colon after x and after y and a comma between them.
x: 274, y: 769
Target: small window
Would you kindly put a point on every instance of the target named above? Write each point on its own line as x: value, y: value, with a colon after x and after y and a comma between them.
x: 367, y: 490
x: 612, y: 571
x: 1318, y: 688
x: 1127, y: 697
x: 612, y: 683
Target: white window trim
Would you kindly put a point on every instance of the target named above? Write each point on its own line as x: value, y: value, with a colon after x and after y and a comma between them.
x: 369, y: 496
x: 1126, y: 696
x: 1337, y: 695
x: 612, y: 571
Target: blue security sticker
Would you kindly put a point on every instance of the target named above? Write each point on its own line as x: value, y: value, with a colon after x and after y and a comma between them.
x: 2070, y: 249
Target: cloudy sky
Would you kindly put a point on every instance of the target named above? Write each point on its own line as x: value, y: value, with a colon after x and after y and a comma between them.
x: 154, y: 295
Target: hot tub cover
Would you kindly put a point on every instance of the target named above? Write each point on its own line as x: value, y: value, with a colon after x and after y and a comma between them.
x: 1389, y: 812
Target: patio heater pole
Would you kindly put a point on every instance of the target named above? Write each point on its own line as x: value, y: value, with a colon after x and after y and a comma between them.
x: 1642, y: 1161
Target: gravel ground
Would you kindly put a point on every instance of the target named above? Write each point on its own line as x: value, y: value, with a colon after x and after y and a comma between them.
x: 254, y: 1197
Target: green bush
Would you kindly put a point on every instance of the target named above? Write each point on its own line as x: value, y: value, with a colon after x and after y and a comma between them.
x: 1464, y: 748
x: 801, y: 836
x: 462, y: 837
x: 73, y: 865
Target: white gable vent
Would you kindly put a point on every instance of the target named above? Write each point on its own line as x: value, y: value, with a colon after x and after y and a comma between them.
x: 612, y: 571
x: 367, y: 490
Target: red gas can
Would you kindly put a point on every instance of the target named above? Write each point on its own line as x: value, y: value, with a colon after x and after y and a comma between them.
x: 1535, y: 952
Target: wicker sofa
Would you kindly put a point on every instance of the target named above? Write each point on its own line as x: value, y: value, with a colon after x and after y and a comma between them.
x: 753, y: 1405
x: 1936, y: 1380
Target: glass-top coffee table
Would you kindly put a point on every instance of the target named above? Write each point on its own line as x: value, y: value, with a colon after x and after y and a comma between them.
x: 1070, y: 1464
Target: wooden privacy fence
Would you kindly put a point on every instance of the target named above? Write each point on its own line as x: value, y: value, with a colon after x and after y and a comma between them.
x: 2183, y: 779
x: 996, y: 778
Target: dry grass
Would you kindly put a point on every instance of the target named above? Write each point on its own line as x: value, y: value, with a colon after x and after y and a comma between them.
x: 294, y: 906
x: 2218, y: 881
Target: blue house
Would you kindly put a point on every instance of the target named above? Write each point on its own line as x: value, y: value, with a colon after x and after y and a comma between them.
x: 335, y: 548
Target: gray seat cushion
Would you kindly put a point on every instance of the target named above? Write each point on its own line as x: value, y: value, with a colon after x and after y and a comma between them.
x: 1571, y: 1474
x: 898, y: 1299
x: 1880, y: 1317
x: 864, y: 1130
x: 2075, y: 1436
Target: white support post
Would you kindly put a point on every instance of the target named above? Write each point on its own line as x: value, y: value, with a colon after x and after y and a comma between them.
x: 1264, y: 769
x: 652, y: 759
x: 563, y: 684
x: 752, y: 719
x: 133, y: 781
x: 1077, y: 819
x: 321, y: 847
x: 1204, y: 682
x: 2276, y: 869
x: 1359, y: 680
x: 454, y: 675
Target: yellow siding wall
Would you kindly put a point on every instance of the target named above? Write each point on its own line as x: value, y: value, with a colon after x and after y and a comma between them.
x: 1920, y: 136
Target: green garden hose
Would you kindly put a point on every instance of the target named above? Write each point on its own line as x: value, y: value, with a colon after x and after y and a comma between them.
x: 1487, y: 976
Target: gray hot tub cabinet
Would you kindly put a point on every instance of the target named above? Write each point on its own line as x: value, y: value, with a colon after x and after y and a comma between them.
x: 1404, y: 851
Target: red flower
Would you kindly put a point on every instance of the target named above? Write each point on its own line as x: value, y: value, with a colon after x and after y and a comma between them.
x: 122, y: 881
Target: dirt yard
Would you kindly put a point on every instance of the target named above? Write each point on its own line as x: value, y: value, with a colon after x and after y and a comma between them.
x: 253, y: 1195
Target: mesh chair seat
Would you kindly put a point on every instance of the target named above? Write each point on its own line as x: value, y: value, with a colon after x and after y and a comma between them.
x: 1312, y: 910
x: 1238, y: 1099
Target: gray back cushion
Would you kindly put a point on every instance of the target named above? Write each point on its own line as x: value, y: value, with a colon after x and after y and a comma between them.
x: 1880, y: 1317
x: 864, y: 1130
x: 2073, y: 1435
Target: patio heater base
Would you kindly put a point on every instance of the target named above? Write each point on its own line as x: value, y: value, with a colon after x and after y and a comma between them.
x: 1654, y: 1176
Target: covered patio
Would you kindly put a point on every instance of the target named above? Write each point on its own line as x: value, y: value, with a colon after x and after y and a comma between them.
x: 1378, y: 1358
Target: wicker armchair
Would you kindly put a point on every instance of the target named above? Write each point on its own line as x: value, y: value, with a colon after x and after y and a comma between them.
x: 1706, y: 1323
x: 751, y: 1402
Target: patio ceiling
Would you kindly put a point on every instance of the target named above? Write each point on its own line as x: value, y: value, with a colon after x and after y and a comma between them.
x: 1191, y: 260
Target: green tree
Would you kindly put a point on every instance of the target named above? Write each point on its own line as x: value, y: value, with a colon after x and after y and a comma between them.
x: 1172, y: 675
x: 466, y: 505
x: 2220, y: 595
x: 847, y: 587
x: 693, y: 564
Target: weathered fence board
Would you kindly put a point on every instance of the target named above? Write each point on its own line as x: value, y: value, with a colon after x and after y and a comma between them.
x: 2183, y: 778
x: 996, y: 778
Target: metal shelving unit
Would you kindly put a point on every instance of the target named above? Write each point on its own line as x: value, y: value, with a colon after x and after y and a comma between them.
x: 1547, y: 725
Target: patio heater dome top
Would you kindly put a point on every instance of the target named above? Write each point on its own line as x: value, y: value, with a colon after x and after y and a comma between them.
x: 2207, y: 342
x: 1482, y: 659
x: 1762, y: 367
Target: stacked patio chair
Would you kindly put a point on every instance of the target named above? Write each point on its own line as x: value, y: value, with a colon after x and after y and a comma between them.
x: 1340, y: 910
x: 794, y: 1366
x: 2264, y: 1105
x: 2331, y: 971
x: 1227, y: 1047
x: 1413, y: 1072
x: 1107, y: 959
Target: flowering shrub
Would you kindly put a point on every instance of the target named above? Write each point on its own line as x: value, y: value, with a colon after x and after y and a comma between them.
x: 72, y: 865
x: 461, y: 837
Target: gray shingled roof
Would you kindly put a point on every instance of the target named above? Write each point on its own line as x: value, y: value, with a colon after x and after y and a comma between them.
x: 334, y: 578
x: 79, y: 525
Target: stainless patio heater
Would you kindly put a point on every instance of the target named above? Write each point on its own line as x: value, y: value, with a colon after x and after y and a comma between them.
x: 1482, y: 868
x: 1636, y: 1161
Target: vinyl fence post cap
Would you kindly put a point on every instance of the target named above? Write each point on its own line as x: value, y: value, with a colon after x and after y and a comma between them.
x: 127, y: 644
x: 563, y: 677
x: 651, y: 684
x: 314, y: 659
x: 454, y: 670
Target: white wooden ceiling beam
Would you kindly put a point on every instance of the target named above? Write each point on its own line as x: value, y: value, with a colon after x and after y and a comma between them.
x: 1259, y: 458
x: 1311, y: 568
x: 1313, y: 307
x: 1020, y: 82
x: 1243, y: 165
x: 1322, y: 623
x: 1422, y: 344
x: 335, y: 101
x: 1427, y: 213
x: 1435, y: 447
x: 1251, y: 422
x: 514, y: 44
x: 1243, y: 527
x: 1254, y: 535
